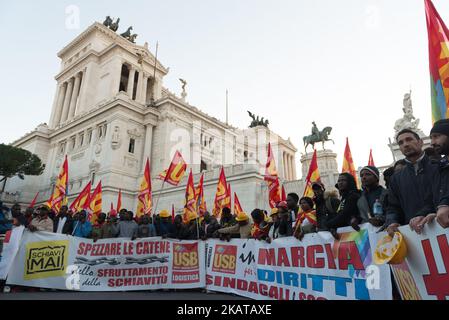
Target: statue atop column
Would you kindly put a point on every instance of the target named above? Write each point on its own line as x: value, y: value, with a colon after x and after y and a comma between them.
x: 184, y: 84
x: 256, y: 122
x: 408, y: 121
x: 317, y: 136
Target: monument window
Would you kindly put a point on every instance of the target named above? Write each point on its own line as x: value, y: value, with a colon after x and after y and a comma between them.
x: 245, y: 155
x: 62, y: 147
x: 203, y: 166
x: 124, y: 77
x: 81, y: 139
x: 72, y: 143
x: 132, y: 143
x: 89, y: 136
x: 136, y: 78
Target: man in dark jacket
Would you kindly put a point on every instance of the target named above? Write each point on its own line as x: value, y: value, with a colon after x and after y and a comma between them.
x: 209, y: 225
x: 372, y: 200
x: 326, y: 205
x: 410, y: 193
x: 63, y: 222
x: 439, y: 136
x: 348, y: 212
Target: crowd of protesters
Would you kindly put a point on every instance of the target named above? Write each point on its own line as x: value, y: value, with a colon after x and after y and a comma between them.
x: 416, y: 192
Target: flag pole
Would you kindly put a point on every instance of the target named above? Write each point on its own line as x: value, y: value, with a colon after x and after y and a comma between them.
x: 227, y: 107
x: 157, y: 201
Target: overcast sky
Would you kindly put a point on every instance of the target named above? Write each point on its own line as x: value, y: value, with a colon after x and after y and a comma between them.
x: 345, y: 64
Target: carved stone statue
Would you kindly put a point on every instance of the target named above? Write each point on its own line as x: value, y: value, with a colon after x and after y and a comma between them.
x: 114, y: 25
x: 408, y: 121
x: 133, y: 37
x: 256, y: 122
x: 127, y: 33
x: 317, y: 136
x: 107, y: 22
x: 115, y: 141
x: 184, y: 84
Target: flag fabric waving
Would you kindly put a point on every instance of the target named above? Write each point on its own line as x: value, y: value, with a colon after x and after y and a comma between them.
x: 348, y: 163
x: 112, y: 212
x: 95, y: 204
x: 119, y: 201
x: 190, y: 199
x: 312, y: 176
x: 237, y: 207
x: 175, y: 171
x: 438, y: 35
x: 220, y: 194
x: 272, y: 179
x: 283, y: 197
x: 59, y: 192
x: 371, y: 160
x: 200, y: 201
x: 145, y: 199
x: 82, y: 201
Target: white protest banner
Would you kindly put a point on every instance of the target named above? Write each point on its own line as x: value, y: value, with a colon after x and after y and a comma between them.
x: 57, y: 261
x: 10, y: 248
x: 318, y: 267
x: 424, y: 275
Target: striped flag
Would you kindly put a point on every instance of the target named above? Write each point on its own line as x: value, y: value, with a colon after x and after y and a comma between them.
x: 220, y: 194
x: 348, y: 163
x: 237, y: 207
x: 438, y: 35
x: 119, y: 201
x: 33, y: 203
x: 82, y: 201
x: 59, y: 192
x: 190, y: 200
x: 272, y: 179
x: 95, y: 204
x: 312, y: 176
x: 145, y: 199
x: 200, y: 201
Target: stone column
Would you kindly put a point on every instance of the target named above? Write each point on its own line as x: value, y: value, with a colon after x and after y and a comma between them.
x: 290, y: 160
x: 147, y: 146
x: 58, y: 105
x: 143, y: 98
x: 139, y: 87
x: 68, y: 96
x: 130, y: 88
x: 294, y: 168
x: 284, y: 165
x: 76, y: 90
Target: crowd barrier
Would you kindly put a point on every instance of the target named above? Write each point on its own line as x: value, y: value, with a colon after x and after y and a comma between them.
x: 316, y: 268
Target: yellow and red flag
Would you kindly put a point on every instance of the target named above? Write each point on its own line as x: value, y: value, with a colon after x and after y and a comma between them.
x: 119, y: 200
x: 228, y: 200
x: 190, y: 200
x: 33, y: 203
x: 348, y: 163
x: 95, y: 204
x: 200, y: 201
x: 438, y: 35
x: 145, y: 199
x: 175, y: 171
x: 237, y: 207
x: 370, y: 159
x: 60, y: 191
x: 82, y: 201
x: 221, y: 194
x: 271, y: 176
x: 283, y: 197
x: 112, y: 212
x: 312, y: 176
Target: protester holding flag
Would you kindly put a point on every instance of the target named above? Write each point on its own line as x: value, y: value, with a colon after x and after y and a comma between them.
x: 241, y: 230
x: 164, y: 225
x: 63, y: 222
x: 226, y: 219
x: 260, y: 228
x: 285, y: 215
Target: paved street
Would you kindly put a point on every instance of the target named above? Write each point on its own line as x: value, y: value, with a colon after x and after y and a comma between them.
x: 130, y: 295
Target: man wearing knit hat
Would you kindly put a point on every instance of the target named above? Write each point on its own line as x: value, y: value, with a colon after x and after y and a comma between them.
x: 326, y: 204
x: 439, y: 136
x: 371, y: 202
x: 410, y: 196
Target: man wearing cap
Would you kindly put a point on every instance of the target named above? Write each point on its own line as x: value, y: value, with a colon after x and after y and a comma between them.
x: 285, y: 225
x: 163, y: 224
x: 42, y: 222
x: 439, y: 136
x: 193, y: 229
x: 326, y: 204
x: 410, y: 193
x: 209, y: 225
x: 242, y: 228
x: 373, y: 195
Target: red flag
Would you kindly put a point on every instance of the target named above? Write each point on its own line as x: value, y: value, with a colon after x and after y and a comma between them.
x: 190, y: 206
x: 60, y: 190
x: 270, y: 168
x: 237, y: 207
x: 95, y: 205
x: 172, y: 213
x: 175, y: 171
x: 221, y: 194
x: 312, y: 176
x: 370, y: 159
x: 284, y: 197
x: 113, y: 212
x: 82, y: 201
x: 33, y: 203
x: 145, y: 199
x: 119, y: 200
x: 348, y: 163
x: 200, y: 201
